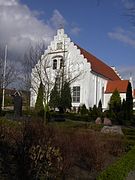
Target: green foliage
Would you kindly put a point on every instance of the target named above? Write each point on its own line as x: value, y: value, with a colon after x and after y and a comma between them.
x: 115, y: 106
x: 83, y: 110
x: 54, y: 97
x: 129, y: 103
x: 62, y: 98
x: 100, y: 106
x: 78, y: 117
x: 121, y: 113
x: 130, y: 136
x: 115, y: 100
x: 95, y: 113
x: 65, y: 99
x: 121, y: 168
x: 39, y: 107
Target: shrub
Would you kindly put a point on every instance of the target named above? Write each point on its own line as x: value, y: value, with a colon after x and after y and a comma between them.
x: 31, y: 149
x: 83, y: 110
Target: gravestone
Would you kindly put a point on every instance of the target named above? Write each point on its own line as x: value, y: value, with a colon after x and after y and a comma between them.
x: 98, y: 120
x: 107, y: 122
x: 17, y: 99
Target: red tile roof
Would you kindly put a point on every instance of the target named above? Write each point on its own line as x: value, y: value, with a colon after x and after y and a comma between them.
x: 98, y: 66
x: 134, y: 93
x: 120, y: 85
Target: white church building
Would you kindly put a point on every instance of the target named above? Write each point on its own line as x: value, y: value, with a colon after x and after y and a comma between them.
x: 91, y: 79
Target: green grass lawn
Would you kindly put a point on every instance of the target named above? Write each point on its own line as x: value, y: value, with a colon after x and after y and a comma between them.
x: 69, y: 124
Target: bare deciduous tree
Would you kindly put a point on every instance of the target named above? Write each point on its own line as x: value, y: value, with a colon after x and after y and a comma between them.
x: 10, y: 71
x: 31, y: 58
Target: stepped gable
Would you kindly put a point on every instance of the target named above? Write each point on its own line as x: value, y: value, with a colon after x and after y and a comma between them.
x: 120, y: 85
x: 98, y: 66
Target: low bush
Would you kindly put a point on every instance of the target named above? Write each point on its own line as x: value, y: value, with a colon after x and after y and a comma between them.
x: 56, y: 116
x: 78, y: 117
x: 121, y: 168
x: 129, y: 145
x: 131, y: 137
x: 128, y: 131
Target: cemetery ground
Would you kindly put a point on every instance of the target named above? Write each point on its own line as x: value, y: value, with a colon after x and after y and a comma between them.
x: 30, y: 149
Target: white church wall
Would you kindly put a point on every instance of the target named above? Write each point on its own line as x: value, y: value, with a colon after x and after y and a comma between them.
x: 123, y: 96
x: 106, y: 101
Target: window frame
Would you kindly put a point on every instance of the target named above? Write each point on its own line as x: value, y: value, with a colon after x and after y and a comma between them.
x: 76, y: 94
x: 54, y: 64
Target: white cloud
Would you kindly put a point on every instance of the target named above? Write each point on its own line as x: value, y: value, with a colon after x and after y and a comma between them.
x: 124, y: 36
x: 8, y: 2
x: 57, y: 19
x: 127, y: 71
x: 75, y: 30
x: 20, y: 27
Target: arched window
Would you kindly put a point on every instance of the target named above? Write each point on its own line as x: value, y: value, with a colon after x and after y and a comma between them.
x: 55, y: 64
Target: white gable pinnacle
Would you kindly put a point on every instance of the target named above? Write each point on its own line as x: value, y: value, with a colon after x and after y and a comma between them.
x: 60, y: 31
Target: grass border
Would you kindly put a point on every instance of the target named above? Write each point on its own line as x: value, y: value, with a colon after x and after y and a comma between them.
x: 120, y: 169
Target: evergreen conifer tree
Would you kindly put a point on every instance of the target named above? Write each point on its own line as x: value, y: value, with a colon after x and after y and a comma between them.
x: 123, y: 112
x: 129, y: 103
x: 83, y: 110
x: 39, y: 107
x: 100, y: 107
x: 94, y: 113
x: 54, y: 97
x: 65, y: 99
x: 115, y: 106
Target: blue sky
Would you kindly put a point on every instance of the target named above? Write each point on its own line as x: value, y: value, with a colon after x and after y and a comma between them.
x: 99, y: 26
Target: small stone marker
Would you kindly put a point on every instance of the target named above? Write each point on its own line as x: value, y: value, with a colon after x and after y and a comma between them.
x: 112, y: 130
x: 98, y: 120
x: 107, y: 122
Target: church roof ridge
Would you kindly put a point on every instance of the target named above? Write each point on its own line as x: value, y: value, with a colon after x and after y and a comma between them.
x: 99, y: 66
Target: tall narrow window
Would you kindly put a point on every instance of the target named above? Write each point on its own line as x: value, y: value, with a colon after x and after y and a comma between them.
x: 76, y: 94
x: 61, y: 63
x: 55, y: 64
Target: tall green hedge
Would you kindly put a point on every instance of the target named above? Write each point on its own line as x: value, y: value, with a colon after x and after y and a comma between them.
x: 120, y: 169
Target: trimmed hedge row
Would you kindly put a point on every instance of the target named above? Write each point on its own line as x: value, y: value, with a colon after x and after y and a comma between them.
x: 120, y: 169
